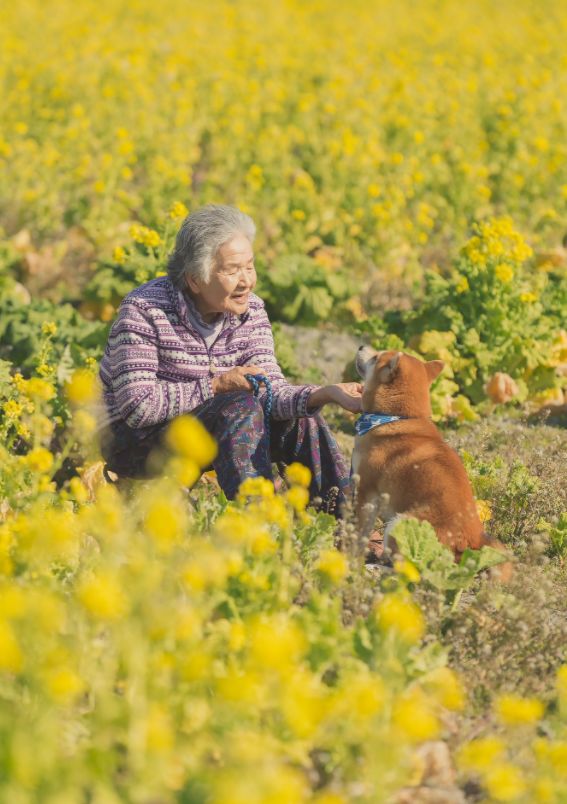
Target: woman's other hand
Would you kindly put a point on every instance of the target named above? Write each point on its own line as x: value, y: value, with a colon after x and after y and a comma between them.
x: 346, y: 394
x: 234, y: 380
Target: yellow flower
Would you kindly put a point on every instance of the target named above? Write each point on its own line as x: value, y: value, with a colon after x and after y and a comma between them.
x: 256, y: 487
x: 413, y: 716
x: 164, y: 522
x: 304, y: 703
x: 23, y: 431
x: 82, y: 387
x: 361, y: 696
x: 11, y: 657
x: 276, y: 784
x: 13, y: 602
x: 298, y: 215
x: 544, y: 791
x: 551, y: 753
x: 209, y: 567
x: 63, y: 684
x: 479, y: 755
x: 504, y: 782
x: 444, y: 685
x: 276, y: 642
x: 512, y: 710
x: 187, y: 436
x: 484, y: 510
x: 84, y: 423
x: 236, y: 635
x: 78, y: 490
x: 103, y: 597
x: 145, y: 235
x: 298, y: 474
x: 39, y: 460
x: 12, y: 409
x: 184, y: 470
x: 44, y: 369
x: 332, y: 565
x: 273, y: 510
x: 247, y: 687
x: 399, y: 615
x: 42, y: 425
x: 407, y: 570
x: 49, y: 328
x: 462, y: 285
x: 119, y: 255
x: 262, y: 542
x: 234, y: 526
x: 178, y: 210
x: 160, y: 735
x: 528, y: 297
x: 188, y: 623
x: 298, y: 498
x: 504, y: 272
x: 19, y: 383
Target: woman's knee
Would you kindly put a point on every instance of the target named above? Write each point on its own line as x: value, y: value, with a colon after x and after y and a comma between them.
x: 242, y: 406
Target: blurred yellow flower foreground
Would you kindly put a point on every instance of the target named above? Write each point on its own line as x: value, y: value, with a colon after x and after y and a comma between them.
x: 151, y: 650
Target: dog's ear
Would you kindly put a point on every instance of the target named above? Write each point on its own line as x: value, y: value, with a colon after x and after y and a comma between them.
x: 434, y: 369
x: 388, y: 371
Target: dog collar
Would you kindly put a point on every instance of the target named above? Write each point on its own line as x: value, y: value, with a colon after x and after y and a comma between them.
x: 368, y: 421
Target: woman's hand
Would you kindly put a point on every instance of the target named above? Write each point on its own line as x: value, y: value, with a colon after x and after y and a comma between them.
x: 234, y: 380
x: 346, y: 394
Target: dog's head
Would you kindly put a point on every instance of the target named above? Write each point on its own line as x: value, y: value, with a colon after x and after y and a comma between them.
x: 396, y: 383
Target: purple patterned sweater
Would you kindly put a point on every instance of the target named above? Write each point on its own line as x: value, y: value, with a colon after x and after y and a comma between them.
x: 156, y: 364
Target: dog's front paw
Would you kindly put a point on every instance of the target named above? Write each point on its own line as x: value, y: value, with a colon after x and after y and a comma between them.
x: 374, y: 550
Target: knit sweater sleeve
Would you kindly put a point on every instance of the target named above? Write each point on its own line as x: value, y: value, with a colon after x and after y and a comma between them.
x: 130, y: 369
x: 289, y: 401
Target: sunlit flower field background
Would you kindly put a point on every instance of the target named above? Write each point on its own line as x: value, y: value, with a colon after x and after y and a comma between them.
x: 406, y: 166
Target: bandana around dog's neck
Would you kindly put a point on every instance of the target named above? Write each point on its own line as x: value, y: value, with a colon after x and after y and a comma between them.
x: 367, y: 421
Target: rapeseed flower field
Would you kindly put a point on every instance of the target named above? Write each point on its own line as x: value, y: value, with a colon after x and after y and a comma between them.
x: 406, y: 166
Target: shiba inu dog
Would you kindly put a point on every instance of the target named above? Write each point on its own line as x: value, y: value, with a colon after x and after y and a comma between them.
x: 405, y: 467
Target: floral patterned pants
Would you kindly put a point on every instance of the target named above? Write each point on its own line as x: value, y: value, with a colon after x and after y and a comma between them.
x: 237, y: 422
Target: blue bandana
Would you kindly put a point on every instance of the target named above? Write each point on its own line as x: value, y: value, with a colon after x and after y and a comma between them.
x: 368, y: 421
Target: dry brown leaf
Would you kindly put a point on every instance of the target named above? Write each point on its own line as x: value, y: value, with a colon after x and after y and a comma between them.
x: 501, y: 388
x: 93, y: 477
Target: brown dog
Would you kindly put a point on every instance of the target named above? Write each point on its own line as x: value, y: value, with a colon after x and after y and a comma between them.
x: 405, y: 467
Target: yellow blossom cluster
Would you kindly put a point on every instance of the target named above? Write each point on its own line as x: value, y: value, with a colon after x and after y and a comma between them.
x: 538, y: 775
x: 129, y: 618
x: 385, y: 130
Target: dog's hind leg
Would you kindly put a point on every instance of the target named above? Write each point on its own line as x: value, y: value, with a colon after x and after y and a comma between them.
x: 367, y: 508
x: 389, y: 541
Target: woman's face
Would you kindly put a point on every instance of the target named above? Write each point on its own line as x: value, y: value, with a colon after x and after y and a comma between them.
x: 232, y: 280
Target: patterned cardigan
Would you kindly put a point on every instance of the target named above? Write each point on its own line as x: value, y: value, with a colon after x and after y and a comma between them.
x: 156, y: 364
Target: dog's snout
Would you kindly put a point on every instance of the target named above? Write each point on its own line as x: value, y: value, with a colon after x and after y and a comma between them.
x: 363, y: 355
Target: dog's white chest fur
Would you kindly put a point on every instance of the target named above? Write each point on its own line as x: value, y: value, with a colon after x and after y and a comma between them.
x: 355, y: 460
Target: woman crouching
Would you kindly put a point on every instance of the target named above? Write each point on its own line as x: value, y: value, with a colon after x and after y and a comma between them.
x: 184, y: 343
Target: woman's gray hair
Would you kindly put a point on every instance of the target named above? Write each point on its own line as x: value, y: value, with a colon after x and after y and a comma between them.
x: 201, y: 235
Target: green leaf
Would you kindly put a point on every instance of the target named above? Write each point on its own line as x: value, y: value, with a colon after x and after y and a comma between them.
x: 320, y: 303
x: 418, y: 543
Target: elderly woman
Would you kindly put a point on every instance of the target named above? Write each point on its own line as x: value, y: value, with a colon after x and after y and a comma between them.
x: 185, y: 343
